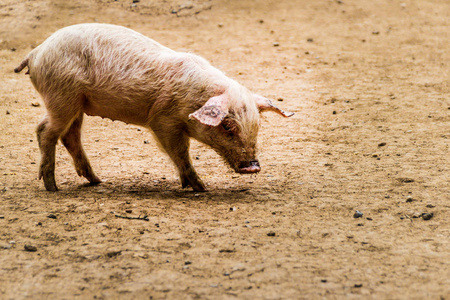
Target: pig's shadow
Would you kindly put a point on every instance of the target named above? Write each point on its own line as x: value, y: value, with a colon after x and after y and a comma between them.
x: 169, y: 190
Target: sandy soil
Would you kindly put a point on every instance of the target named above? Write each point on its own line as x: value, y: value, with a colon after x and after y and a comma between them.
x: 369, y: 82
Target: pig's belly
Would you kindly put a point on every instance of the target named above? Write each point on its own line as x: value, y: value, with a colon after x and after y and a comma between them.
x: 116, y: 108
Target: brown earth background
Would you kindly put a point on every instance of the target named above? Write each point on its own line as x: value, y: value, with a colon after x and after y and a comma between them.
x: 369, y: 83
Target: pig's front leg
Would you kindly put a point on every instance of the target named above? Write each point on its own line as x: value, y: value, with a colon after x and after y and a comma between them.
x: 176, y: 143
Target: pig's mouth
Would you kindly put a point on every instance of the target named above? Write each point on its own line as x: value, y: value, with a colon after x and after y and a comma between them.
x: 247, y: 167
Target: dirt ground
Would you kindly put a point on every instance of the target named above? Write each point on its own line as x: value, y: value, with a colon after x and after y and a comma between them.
x: 369, y: 83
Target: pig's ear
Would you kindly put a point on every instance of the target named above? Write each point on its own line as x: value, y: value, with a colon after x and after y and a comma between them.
x: 265, y: 104
x: 213, y: 112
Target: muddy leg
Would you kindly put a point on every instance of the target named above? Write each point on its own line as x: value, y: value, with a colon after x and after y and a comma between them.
x: 71, y: 139
x: 177, y: 146
x: 47, y: 136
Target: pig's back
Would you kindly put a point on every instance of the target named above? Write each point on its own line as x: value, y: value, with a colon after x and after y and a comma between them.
x: 95, y: 54
x: 110, y: 66
x: 120, y: 73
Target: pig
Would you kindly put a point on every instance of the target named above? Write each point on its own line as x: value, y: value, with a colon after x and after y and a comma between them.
x: 117, y: 73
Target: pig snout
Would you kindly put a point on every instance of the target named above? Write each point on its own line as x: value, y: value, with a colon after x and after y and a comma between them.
x: 246, y: 167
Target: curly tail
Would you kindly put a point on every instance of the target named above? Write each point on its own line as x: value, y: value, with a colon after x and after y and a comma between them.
x: 22, y: 65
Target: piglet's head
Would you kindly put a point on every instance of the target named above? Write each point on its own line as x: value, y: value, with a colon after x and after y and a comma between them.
x: 231, y: 127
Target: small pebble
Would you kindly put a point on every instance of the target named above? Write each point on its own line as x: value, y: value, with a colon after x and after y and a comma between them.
x: 409, y: 199
x: 323, y: 280
x: 357, y: 214
x: 427, y: 216
x: 35, y: 104
x: 358, y: 285
x: 51, y: 216
x: 310, y: 40
x: 2, y: 216
x: 128, y: 211
x: 232, y: 208
x: 30, y: 248
x: 7, y: 112
x: 276, y: 44
x: 187, y: 262
x: 113, y: 253
x: 271, y: 233
x: 428, y: 206
x: 382, y: 144
x: 146, y: 142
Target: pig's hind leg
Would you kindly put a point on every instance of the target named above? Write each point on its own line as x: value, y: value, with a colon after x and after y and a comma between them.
x: 48, y: 132
x: 61, y: 112
x: 71, y: 139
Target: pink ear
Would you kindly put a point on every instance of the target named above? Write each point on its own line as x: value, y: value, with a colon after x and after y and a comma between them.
x: 213, y: 111
x: 265, y: 104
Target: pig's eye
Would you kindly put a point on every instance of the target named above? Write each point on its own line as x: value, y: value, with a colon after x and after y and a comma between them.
x: 226, y: 127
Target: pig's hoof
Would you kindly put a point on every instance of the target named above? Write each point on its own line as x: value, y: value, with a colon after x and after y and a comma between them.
x: 94, y: 181
x: 199, y: 189
x: 197, y: 185
x: 51, y: 187
x: 49, y: 182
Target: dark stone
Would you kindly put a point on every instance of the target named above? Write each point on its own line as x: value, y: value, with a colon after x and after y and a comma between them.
x: 357, y: 214
x: 30, y: 248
